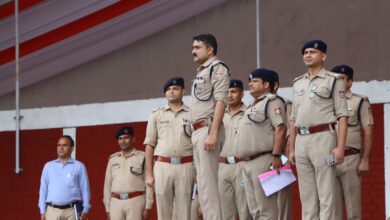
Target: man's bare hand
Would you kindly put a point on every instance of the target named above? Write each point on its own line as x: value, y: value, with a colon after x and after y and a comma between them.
x: 338, y: 154
x: 363, y: 167
x: 276, y: 163
x: 291, y: 157
x: 210, y: 142
x: 146, y: 214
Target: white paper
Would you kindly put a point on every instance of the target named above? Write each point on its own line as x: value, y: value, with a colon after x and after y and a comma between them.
x: 273, y: 182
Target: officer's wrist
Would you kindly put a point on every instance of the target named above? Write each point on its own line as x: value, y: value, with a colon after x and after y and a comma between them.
x: 277, y: 155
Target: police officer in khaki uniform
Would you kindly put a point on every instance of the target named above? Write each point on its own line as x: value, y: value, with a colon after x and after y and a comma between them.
x: 357, y: 150
x: 284, y: 195
x: 125, y: 196
x: 230, y: 183
x: 318, y: 103
x: 168, y: 142
x: 261, y: 137
x: 209, y: 94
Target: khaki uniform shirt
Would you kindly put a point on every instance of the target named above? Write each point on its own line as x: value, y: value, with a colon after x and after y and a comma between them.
x: 318, y: 101
x: 256, y: 129
x: 206, y: 91
x: 360, y: 115
x: 126, y: 175
x: 169, y: 132
x: 230, y: 123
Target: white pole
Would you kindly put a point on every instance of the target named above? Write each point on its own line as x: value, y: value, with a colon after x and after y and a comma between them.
x: 17, y: 118
x: 257, y: 34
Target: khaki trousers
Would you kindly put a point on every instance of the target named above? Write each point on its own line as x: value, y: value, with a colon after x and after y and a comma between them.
x: 260, y: 206
x: 206, y: 163
x: 60, y: 214
x: 232, y: 192
x: 128, y: 209
x: 285, y: 203
x: 173, y: 186
x: 348, y: 186
x: 316, y: 179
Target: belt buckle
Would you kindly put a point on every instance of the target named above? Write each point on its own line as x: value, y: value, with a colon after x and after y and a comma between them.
x: 230, y: 160
x: 304, y: 131
x: 175, y: 160
x: 123, y: 196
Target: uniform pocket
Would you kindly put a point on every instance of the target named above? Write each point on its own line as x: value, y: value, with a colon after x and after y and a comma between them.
x: 322, y: 93
x: 71, y: 180
x: 256, y: 116
x: 136, y: 169
x: 202, y: 89
x: 353, y: 117
x: 115, y: 169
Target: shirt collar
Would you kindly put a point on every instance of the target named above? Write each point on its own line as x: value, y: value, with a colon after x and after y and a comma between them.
x: 262, y: 96
x: 348, y: 94
x: 207, y: 63
x: 242, y: 109
x: 133, y: 152
x: 321, y: 74
x: 182, y: 108
x: 71, y: 160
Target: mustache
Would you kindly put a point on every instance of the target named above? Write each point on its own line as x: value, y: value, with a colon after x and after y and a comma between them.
x: 194, y: 55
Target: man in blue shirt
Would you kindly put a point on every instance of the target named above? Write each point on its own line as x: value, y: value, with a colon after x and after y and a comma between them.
x: 64, y: 184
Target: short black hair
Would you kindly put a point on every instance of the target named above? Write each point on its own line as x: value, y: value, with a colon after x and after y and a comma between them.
x: 209, y: 40
x: 69, y: 138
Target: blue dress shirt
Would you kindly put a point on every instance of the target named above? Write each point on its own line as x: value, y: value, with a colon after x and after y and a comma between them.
x: 64, y: 183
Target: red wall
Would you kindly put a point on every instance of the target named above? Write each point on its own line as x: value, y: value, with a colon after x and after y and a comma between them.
x: 19, y: 193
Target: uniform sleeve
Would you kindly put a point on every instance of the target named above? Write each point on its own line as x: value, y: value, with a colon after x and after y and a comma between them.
x: 220, y: 81
x: 276, y: 112
x: 339, y: 100
x: 151, y: 131
x: 107, y: 188
x: 292, y: 114
x: 149, y: 197
x: 84, y: 187
x: 43, y: 191
x: 288, y: 113
x: 366, y: 114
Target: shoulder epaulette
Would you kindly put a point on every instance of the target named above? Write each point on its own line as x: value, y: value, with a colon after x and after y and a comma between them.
x: 140, y: 152
x: 271, y: 97
x: 298, y: 78
x: 115, y: 155
x: 335, y: 75
x: 281, y: 99
x: 365, y: 98
x: 156, y: 109
x: 215, y: 62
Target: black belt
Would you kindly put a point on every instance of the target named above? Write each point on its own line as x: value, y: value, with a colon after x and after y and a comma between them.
x: 66, y: 206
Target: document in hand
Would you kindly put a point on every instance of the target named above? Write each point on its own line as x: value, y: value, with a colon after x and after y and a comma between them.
x: 272, y: 182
